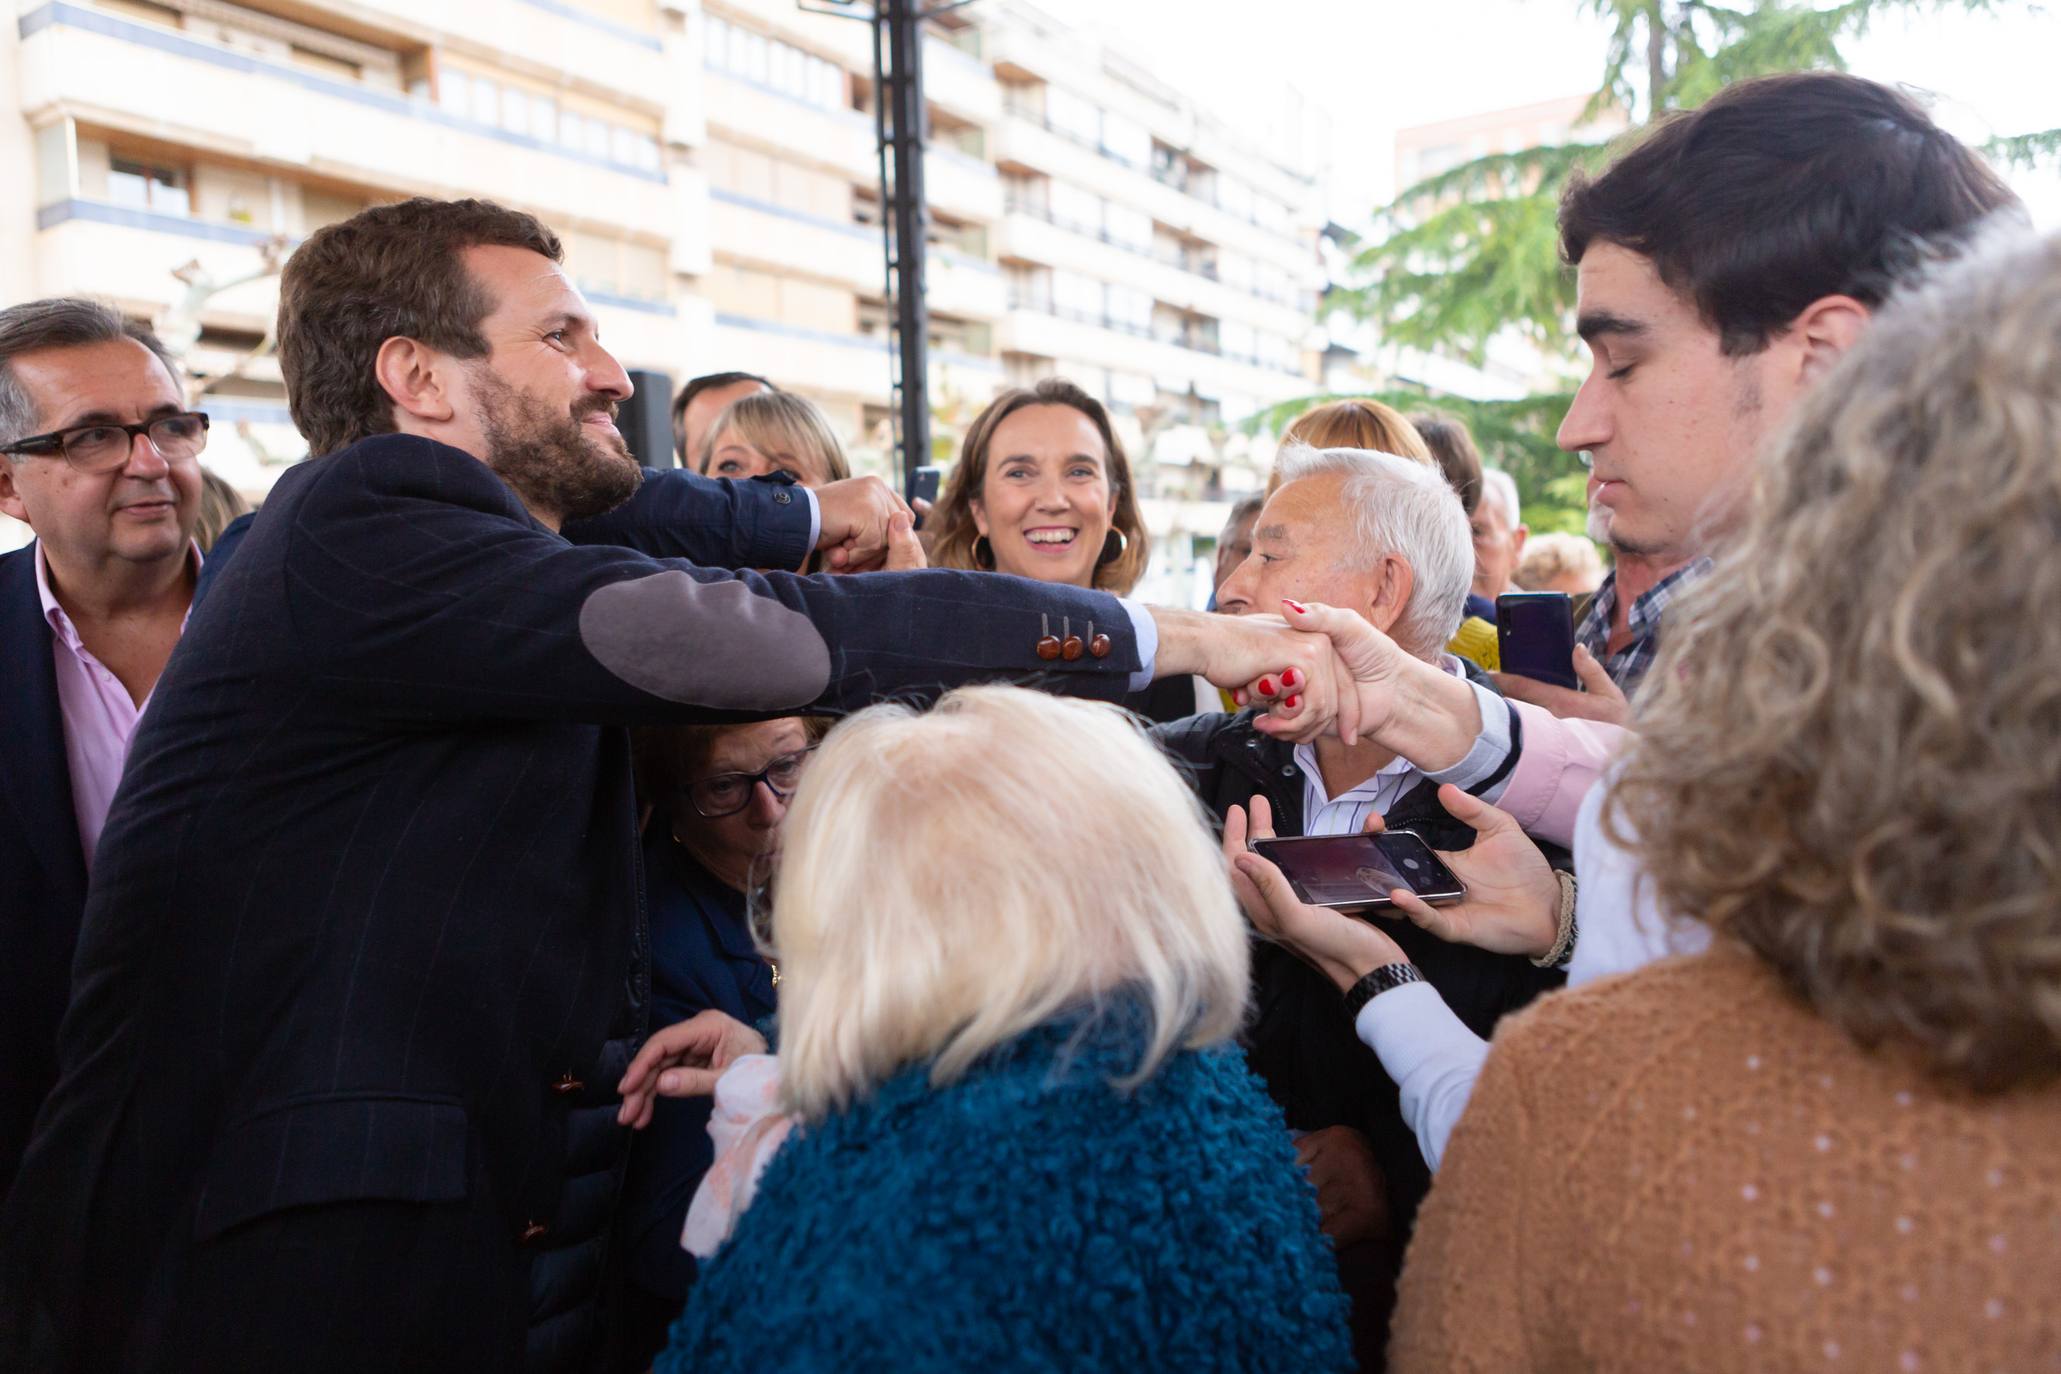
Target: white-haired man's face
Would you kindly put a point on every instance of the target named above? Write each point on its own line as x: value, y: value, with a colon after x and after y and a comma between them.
x: 1497, y: 546
x: 1303, y: 549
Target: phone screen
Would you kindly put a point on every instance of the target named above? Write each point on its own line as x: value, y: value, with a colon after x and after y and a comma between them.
x: 1535, y: 636
x: 1361, y: 870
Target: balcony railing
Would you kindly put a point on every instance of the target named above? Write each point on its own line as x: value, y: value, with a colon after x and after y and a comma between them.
x: 1100, y: 319
x: 1019, y: 110
x: 1190, y: 340
x: 1172, y: 257
x: 1193, y: 342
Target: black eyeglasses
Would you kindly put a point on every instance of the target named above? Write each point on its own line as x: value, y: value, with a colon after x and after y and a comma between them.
x: 106, y: 447
x: 726, y: 794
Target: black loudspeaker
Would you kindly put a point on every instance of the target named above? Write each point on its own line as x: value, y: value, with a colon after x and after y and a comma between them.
x: 646, y: 419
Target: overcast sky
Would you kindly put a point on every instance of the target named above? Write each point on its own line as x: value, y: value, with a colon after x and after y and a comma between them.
x: 1381, y: 65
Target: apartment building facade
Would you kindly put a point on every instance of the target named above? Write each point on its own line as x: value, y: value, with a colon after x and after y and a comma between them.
x: 711, y: 166
x: 165, y: 154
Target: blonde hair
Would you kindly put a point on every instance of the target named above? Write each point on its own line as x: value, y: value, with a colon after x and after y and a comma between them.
x: 957, y: 533
x: 1550, y: 557
x: 1354, y: 423
x: 1852, y: 739
x: 779, y: 422
x: 951, y: 880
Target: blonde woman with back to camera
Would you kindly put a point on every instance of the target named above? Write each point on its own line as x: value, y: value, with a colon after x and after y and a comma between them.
x: 1022, y: 1136
x: 1828, y: 1141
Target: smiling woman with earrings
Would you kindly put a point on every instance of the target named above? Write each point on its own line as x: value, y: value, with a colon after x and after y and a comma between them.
x: 1043, y: 490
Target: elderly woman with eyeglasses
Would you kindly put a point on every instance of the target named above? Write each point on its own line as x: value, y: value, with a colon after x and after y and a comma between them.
x: 715, y: 796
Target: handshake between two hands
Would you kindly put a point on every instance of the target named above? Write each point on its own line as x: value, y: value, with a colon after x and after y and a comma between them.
x: 1313, y: 668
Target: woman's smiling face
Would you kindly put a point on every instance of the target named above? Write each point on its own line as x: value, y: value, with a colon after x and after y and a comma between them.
x: 1046, y: 502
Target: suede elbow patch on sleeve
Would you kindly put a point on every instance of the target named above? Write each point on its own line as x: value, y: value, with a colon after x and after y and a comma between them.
x: 714, y: 644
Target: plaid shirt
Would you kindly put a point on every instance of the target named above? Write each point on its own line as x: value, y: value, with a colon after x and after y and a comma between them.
x: 1627, y: 667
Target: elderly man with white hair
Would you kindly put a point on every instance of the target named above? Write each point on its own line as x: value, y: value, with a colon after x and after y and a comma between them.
x: 1384, y: 537
x: 1499, y: 533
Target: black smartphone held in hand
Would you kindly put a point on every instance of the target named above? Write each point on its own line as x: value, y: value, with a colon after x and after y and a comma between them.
x: 923, y: 483
x: 1535, y: 636
x: 1357, y: 872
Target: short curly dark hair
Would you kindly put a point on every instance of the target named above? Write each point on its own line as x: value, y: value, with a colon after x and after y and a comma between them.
x: 392, y: 271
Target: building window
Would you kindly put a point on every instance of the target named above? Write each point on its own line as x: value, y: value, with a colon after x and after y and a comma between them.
x: 1068, y: 114
x: 1077, y: 297
x: 1130, y: 310
x: 778, y: 66
x: 146, y: 187
x: 531, y: 114
x: 1126, y: 141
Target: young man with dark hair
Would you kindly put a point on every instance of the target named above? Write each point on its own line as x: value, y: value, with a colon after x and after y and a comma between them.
x: 699, y: 403
x: 363, y: 958
x: 1722, y: 266
x: 100, y: 457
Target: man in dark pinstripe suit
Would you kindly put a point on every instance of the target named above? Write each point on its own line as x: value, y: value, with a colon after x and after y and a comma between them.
x: 363, y: 956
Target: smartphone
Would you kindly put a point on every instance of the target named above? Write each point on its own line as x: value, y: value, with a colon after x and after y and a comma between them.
x: 1535, y: 636
x: 1357, y: 872
x: 923, y: 484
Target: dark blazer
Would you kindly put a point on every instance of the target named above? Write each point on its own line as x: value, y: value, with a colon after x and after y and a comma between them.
x: 42, y: 868
x: 224, y: 548
x: 365, y: 938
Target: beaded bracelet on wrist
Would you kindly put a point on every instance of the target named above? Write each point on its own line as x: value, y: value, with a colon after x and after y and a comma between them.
x: 1563, y: 939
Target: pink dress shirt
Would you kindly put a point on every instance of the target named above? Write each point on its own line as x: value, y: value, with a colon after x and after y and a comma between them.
x: 1561, y: 761
x: 99, y: 717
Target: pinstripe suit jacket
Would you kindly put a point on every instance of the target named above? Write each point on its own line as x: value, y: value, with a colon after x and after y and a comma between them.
x: 365, y: 910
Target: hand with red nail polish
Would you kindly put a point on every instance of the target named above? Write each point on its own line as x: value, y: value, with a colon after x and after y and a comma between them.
x: 1259, y: 659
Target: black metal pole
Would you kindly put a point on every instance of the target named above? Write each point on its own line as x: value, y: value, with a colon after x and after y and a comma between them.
x: 902, y: 94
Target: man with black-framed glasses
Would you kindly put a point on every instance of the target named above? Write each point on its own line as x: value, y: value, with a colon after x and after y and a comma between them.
x: 101, y: 458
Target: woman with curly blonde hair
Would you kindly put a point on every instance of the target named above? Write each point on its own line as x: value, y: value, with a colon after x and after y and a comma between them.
x: 1826, y: 1141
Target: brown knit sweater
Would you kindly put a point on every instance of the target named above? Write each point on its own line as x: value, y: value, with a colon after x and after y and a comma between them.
x: 1685, y: 1169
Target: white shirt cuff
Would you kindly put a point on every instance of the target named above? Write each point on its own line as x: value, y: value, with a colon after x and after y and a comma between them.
x: 1432, y: 1056
x: 815, y: 521
x: 1490, y: 748
x: 1145, y: 632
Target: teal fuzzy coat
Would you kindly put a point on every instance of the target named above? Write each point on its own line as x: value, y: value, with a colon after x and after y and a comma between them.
x: 1030, y: 1217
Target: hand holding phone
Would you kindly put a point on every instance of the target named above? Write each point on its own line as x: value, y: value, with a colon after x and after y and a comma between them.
x: 1340, y: 946
x: 1356, y: 873
x: 1535, y: 637
x: 923, y: 486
